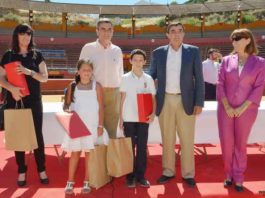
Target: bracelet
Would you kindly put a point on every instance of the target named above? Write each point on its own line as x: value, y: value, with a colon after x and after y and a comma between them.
x: 32, y: 73
x: 100, y: 126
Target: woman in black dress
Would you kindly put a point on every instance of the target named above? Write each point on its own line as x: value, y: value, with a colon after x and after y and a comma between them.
x: 35, y: 71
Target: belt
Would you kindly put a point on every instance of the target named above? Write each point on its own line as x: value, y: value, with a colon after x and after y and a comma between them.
x: 173, y: 93
x: 210, y: 83
x: 109, y: 88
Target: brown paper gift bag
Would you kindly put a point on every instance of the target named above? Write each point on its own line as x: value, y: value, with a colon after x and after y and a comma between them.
x: 120, y: 157
x: 19, y: 130
x: 98, y: 176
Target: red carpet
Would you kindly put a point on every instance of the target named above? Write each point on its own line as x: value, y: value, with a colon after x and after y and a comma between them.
x: 209, y: 177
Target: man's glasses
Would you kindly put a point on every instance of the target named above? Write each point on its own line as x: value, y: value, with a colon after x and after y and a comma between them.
x: 237, y: 38
x: 25, y: 33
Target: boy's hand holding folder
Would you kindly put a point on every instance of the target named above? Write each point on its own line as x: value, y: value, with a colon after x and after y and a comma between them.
x: 145, y: 107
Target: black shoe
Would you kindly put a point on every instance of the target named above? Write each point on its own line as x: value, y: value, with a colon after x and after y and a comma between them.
x: 130, y: 183
x: 164, y: 179
x: 44, y: 181
x: 144, y: 183
x: 22, y: 183
x: 239, y: 188
x: 190, y: 181
x: 227, y: 183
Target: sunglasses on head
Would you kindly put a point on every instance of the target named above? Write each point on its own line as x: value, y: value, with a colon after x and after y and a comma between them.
x: 28, y: 33
x: 237, y: 38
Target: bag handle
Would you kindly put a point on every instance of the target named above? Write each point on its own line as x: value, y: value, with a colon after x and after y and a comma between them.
x: 21, y: 105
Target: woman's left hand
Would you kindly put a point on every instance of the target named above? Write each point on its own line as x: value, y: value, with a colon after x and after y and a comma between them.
x: 23, y: 70
x: 100, y: 131
x: 238, y: 111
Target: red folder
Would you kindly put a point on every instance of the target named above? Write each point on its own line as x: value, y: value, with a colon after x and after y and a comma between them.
x: 16, y: 79
x: 72, y: 124
x: 145, y: 106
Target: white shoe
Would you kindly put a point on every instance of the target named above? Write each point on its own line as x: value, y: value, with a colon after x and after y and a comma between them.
x: 69, y: 188
x: 86, y: 188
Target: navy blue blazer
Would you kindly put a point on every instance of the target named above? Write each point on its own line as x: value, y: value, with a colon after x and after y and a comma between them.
x: 191, y: 77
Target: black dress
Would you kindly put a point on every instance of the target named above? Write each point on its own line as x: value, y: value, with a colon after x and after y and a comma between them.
x: 33, y: 101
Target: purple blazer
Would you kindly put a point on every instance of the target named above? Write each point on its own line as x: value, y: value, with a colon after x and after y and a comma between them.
x: 249, y: 85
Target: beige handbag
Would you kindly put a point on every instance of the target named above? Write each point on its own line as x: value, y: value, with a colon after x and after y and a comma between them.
x: 19, y: 130
x: 120, y: 157
x: 98, y: 176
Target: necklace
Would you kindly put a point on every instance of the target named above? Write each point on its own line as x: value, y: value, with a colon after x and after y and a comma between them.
x: 241, y: 63
x: 24, y: 55
x: 84, y: 84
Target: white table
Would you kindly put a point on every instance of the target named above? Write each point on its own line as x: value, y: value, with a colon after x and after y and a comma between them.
x: 206, y: 130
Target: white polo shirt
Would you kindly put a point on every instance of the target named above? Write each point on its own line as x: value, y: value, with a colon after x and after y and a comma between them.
x: 210, y: 70
x: 131, y: 85
x: 173, y: 68
x: 107, y: 62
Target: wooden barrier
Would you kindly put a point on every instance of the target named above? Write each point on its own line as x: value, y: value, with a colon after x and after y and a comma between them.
x: 55, y: 86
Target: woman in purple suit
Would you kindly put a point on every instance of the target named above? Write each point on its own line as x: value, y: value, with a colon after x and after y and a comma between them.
x: 239, y: 91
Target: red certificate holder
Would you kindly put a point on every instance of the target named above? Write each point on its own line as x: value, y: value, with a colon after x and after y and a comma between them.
x: 72, y: 124
x: 145, y: 106
x: 16, y: 79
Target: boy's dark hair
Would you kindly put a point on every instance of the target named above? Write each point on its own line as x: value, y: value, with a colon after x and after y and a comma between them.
x: 139, y: 52
x: 69, y: 93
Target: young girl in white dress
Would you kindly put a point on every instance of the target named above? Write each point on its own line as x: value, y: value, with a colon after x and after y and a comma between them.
x: 85, y: 97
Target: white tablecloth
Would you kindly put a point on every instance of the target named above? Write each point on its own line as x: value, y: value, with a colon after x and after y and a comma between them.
x: 206, y: 130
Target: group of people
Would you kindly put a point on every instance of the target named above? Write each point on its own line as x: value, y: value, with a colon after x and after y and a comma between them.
x: 104, y: 96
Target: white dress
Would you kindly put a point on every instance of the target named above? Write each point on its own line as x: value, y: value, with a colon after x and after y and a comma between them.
x: 86, y: 106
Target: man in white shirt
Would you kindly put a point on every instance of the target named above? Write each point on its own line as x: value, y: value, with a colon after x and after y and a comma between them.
x: 210, y: 68
x: 107, y: 60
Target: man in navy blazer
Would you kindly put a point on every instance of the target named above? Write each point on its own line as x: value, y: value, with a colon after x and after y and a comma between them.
x: 177, y: 70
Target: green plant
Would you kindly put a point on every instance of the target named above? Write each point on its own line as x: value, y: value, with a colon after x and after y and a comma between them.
x: 248, y: 19
x: 193, y: 21
x: 161, y: 23
x: 12, y: 17
x: 80, y: 22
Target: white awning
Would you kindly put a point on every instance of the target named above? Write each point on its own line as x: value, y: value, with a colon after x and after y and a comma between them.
x: 178, y: 9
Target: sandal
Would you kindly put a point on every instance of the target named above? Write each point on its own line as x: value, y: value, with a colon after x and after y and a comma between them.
x: 69, y: 188
x: 86, y: 188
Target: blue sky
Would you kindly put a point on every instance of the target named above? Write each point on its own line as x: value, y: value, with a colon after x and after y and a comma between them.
x: 114, y: 2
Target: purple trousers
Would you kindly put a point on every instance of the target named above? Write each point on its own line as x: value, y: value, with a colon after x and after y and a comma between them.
x: 233, y: 133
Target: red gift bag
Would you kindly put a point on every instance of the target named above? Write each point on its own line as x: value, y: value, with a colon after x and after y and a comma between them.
x: 16, y: 79
x: 73, y: 124
x: 145, y: 106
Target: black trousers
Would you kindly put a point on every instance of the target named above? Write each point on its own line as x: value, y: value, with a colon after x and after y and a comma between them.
x: 39, y: 155
x: 210, y: 91
x: 139, y: 134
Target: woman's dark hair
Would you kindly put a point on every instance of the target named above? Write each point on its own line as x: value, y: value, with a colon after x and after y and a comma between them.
x: 22, y: 28
x: 69, y: 95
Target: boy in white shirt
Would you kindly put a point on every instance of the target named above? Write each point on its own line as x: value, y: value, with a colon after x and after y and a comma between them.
x: 132, y: 83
